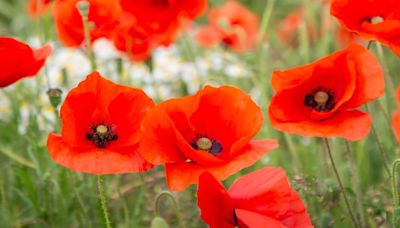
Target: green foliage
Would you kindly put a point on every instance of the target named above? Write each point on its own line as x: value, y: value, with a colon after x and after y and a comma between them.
x: 36, y: 192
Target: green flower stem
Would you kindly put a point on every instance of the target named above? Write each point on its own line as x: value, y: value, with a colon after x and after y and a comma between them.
x: 170, y: 196
x: 265, y: 20
x: 395, y: 193
x: 356, y: 184
x: 103, y: 202
x: 296, y: 163
x: 83, y: 8
x: 389, y: 79
x: 343, y: 190
x: 380, y: 146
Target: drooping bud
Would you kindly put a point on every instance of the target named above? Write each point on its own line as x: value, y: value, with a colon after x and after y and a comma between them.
x: 83, y: 8
x: 54, y: 95
x: 158, y: 222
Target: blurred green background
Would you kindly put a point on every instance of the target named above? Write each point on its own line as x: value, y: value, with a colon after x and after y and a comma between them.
x: 36, y: 192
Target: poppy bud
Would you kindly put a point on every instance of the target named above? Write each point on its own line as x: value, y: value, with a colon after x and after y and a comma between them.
x: 54, y: 96
x: 158, y: 222
x: 83, y: 8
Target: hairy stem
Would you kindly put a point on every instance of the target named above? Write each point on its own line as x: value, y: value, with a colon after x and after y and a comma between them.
x: 342, y: 189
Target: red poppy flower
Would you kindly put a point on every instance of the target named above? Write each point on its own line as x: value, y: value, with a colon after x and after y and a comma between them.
x: 262, y: 198
x: 133, y: 40
x: 38, y: 8
x: 320, y: 99
x: 164, y: 18
x: 209, y: 131
x: 372, y: 20
x: 232, y: 25
x: 103, y: 17
x: 287, y: 29
x: 396, y: 118
x: 100, y: 128
x: 19, y: 60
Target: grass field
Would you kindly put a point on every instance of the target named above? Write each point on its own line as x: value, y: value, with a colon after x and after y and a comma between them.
x: 37, y: 192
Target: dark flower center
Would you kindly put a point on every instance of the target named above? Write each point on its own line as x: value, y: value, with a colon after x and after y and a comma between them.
x: 101, y: 134
x: 202, y: 142
x: 320, y: 99
x: 375, y: 20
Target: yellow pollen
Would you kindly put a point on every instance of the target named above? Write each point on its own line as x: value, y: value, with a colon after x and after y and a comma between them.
x: 376, y: 20
x: 321, y: 97
x: 204, y: 143
x: 101, y: 129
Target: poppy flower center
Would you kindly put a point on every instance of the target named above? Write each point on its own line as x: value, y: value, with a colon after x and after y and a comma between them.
x: 101, y: 134
x: 376, y: 20
x: 320, y: 99
x: 204, y: 143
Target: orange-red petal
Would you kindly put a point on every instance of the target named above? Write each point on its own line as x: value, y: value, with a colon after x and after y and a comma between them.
x: 19, y: 60
x: 96, y: 161
x: 214, y: 202
x: 268, y: 193
x: 249, y: 219
x: 352, y: 125
x: 180, y: 175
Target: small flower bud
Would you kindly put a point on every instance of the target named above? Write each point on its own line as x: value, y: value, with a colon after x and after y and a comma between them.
x: 54, y: 96
x: 83, y: 8
x: 158, y: 222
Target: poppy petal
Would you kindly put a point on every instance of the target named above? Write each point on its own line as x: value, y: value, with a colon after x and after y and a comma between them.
x: 352, y: 125
x: 265, y: 185
x: 214, y: 202
x: 208, y: 36
x: 370, y: 83
x: 292, y: 77
x: 219, y: 121
x: 96, y: 161
x: 88, y: 103
x: 180, y: 175
x: 271, y: 187
x: 158, y: 142
x: 97, y: 134
x: 68, y: 21
x: 126, y: 112
x: 19, y: 60
x: 249, y: 219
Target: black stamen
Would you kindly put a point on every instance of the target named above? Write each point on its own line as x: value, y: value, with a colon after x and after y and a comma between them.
x: 216, y: 147
x: 310, y: 101
x: 101, y: 139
